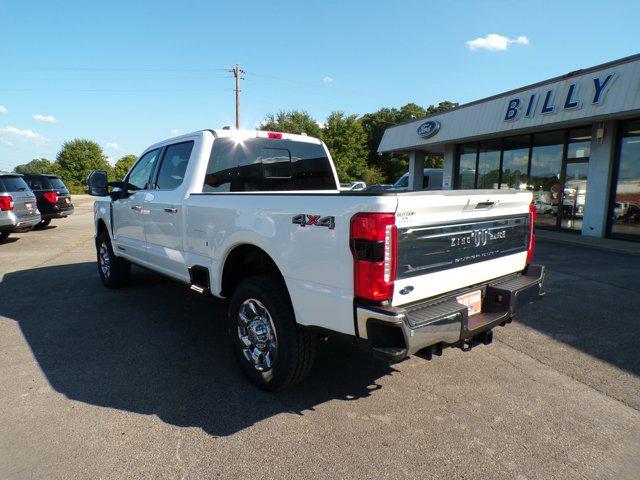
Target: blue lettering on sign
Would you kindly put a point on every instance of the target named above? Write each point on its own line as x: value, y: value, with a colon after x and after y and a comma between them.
x: 548, y: 106
x: 569, y: 101
x: 599, y: 87
x: 428, y: 129
x: 532, y: 105
x: 572, y: 100
x: 512, y: 110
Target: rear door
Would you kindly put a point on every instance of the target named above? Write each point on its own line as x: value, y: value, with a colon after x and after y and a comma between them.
x: 165, y: 219
x: 449, y: 240
x: 24, y: 201
x: 129, y: 212
x: 62, y: 193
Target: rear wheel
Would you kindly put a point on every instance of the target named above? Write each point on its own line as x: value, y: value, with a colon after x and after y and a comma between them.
x: 114, y: 271
x: 273, y: 351
x: 4, y: 235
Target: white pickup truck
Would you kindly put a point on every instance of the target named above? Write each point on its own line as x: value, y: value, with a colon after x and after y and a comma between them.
x: 258, y: 217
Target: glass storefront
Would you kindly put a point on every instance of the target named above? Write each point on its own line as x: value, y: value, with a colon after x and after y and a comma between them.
x: 625, y: 208
x: 535, y: 162
x: 467, y: 167
x: 515, y: 162
x: 546, y: 171
x: 575, y: 180
x: 489, y: 165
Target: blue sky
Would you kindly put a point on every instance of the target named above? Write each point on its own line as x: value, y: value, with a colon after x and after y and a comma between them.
x: 129, y: 73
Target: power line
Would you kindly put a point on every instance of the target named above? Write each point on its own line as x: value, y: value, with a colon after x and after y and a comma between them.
x: 75, y: 90
x: 106, y: 69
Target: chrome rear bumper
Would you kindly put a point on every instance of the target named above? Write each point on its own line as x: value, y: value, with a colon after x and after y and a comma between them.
x: 397, y: 332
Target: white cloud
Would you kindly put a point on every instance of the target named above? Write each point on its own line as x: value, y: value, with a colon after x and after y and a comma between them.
x: 44, y: 118
x: 112, y: 161
x: 495, y: 42
x: 174, y: 131
x: 113, y: 146
x: 320, y: 124
x: 26, y: 134
x: 327, y: 79
x: 6, y: 142
x: 3, y: 109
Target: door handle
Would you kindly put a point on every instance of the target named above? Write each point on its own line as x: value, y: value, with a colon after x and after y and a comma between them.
x: 136, y: 208
x: 172, y: 211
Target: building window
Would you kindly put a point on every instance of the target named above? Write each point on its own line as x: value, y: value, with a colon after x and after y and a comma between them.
x: 515, y: 162
x: 489, y: 165
x: 467, y: 166
x: 544, y: 179
x: 626, y: 206
x: 574, y: 192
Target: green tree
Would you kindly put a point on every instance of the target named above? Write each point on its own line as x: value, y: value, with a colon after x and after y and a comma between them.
x: 395, y: 164
x: 37, y: 165
x: 77, y: 158
x: 294, y: 121
x: 347, y: 141
x: 123, y: 165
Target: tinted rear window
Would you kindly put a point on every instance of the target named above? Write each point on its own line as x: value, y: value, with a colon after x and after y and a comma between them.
x: 259, y: 165
x: 45, y: 183
x: 57, y: 183
x: 13, y: 184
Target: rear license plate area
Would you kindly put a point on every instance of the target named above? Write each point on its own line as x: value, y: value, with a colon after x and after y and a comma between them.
x: 471, y: 300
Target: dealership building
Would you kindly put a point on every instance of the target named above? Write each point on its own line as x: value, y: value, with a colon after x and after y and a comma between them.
x: 574, y: 141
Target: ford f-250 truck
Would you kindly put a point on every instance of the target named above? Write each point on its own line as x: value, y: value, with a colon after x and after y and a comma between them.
x: 258, y: 218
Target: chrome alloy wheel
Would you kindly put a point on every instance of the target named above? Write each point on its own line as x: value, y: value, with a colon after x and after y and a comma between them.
x: 257, y: 335
x: 104, y: 260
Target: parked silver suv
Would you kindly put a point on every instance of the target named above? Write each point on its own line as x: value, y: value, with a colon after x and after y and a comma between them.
x: 18, y: 207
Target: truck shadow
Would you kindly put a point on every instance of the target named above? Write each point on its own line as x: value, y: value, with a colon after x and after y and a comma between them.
x: 155, y: 348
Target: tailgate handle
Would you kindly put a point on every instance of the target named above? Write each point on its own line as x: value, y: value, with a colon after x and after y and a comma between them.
x: 485, y: 205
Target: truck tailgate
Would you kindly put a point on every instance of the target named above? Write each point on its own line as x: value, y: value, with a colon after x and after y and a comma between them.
x: 450, y: 240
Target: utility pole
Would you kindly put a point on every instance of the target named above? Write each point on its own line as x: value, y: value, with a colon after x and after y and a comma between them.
x: 237, y: 72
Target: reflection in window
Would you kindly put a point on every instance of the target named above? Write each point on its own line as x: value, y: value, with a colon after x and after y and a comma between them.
x: 579, y: 143
x: 626, y: 207
x: 467, y: 167
x: 489, y: 165
x: 546, y: 165
x: 515, y: 162
x: 174, y: 166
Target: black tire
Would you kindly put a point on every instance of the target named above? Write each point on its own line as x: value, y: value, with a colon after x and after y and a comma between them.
x: 294, y: 353
x: 118, y: 270
x: 4, y: 235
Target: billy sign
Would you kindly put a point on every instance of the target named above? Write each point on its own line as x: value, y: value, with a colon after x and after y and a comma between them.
x: 551, y: 100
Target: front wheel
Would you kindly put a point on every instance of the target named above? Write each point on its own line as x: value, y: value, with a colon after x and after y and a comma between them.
x: 273, y: 351
x: 4, y: 235
x: 114, y: 271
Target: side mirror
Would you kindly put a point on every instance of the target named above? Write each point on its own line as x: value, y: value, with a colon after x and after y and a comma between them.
x: 97, y: 183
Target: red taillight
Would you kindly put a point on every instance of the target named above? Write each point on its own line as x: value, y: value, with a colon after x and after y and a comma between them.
x: 6, y: 203
x: 274, y: 135
x: 532, y: 237
x: 375, y: 255
x: 51, y: 196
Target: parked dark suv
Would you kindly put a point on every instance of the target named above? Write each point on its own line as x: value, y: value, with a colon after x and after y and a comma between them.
x: 53, y: 197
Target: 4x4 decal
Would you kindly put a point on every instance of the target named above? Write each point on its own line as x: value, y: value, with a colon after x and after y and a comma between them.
x: 303, y: 220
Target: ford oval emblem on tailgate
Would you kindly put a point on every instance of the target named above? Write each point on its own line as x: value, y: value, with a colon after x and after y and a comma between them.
x: 406, y: 290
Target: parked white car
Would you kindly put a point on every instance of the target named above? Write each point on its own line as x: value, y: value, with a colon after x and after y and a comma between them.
x: 258, y: 217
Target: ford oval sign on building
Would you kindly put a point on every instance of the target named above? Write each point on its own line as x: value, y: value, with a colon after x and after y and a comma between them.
x: 429, y: 129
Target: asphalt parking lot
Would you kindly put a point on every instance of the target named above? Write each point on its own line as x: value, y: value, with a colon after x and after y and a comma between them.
x: 139, y: 383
